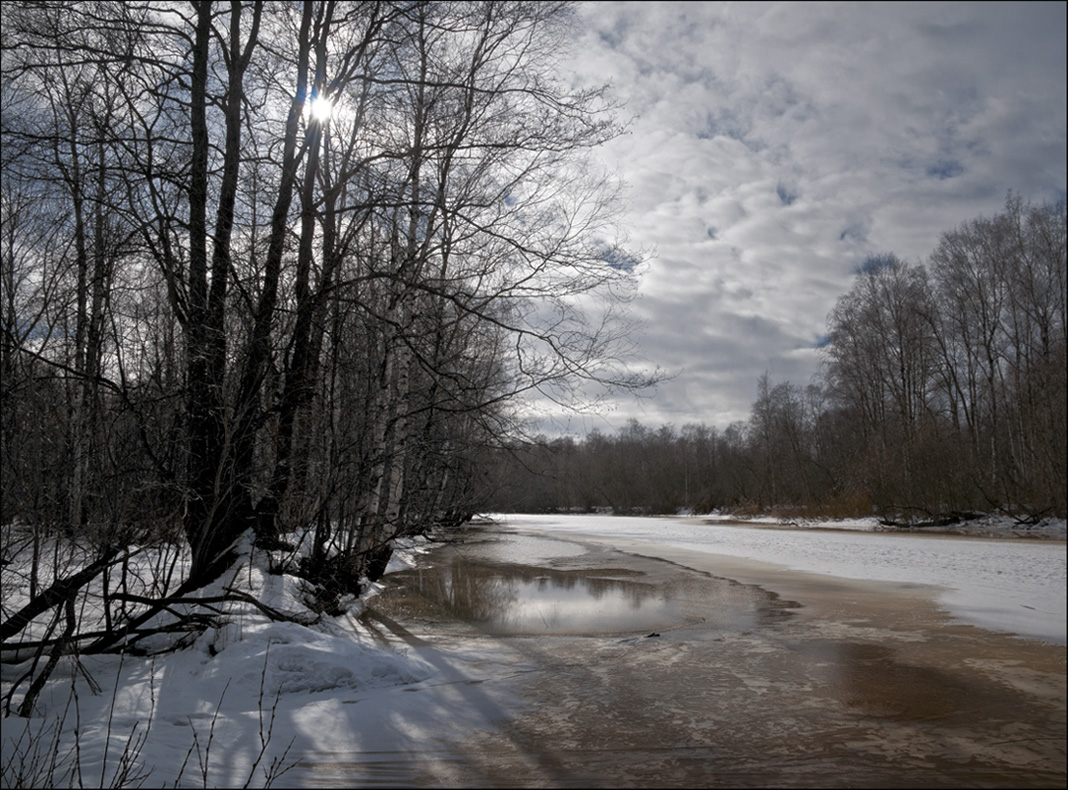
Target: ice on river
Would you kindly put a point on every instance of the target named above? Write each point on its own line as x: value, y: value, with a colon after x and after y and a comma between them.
x: 1016, y: 586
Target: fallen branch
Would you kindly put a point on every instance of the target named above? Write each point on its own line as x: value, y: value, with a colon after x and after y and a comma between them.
x: 55, y: 595
x: 932, y: 519
x: 26, y: 708
x: 108, y: 641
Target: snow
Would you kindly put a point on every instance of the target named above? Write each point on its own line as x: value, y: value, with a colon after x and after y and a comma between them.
x: 210, y: 709
x: 257, y: 697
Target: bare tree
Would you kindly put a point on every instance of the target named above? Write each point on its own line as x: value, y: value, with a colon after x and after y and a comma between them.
x: 1000, y: 284
x: 316, y: 254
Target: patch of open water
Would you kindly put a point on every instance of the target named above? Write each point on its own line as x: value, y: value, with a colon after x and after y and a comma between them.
x: 506, y: 601
x: 513, y: 585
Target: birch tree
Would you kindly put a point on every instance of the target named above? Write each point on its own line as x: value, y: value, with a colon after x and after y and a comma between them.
x: 359, y: 233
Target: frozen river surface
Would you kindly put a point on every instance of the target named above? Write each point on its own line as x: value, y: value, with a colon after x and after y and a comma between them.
x: 1015, y: 586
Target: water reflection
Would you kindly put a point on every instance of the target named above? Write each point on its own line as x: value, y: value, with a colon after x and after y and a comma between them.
x: 513, y: 599
x: 488, y: 582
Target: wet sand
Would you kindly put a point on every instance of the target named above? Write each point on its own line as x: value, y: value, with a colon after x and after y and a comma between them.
x: 757, y: 676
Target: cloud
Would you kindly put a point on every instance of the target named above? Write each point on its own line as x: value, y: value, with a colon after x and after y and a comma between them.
x: 774, y: 145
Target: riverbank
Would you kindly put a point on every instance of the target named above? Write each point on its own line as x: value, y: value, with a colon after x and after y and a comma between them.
x: 982, y: 526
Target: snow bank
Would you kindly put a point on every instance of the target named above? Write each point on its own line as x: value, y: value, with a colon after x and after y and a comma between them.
x: 228, y: 709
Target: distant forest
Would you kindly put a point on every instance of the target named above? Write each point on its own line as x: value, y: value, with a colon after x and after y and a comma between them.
x: 942, y: 394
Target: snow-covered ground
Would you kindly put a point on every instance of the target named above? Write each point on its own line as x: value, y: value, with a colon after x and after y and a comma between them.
x: 1009, y: 585
x: 254, y: 697
x: 254, y: 702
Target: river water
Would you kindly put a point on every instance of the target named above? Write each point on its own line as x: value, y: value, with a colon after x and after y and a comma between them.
x: 692, y: 670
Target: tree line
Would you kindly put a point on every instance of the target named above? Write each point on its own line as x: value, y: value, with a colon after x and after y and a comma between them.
x: 941, y: 394
x: 289, y: 266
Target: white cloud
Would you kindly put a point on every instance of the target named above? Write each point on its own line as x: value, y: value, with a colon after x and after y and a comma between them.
x: 774, y: 145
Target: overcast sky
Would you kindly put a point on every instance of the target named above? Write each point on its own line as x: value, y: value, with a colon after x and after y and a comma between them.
x: 775, y: 145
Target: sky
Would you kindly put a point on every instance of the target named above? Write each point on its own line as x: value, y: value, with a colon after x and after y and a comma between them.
x: 773, y: 146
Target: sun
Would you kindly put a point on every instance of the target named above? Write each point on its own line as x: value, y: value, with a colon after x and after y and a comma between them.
x: 321, y: 108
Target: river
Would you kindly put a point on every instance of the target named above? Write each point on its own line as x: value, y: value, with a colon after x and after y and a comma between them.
x: 630, y: 663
